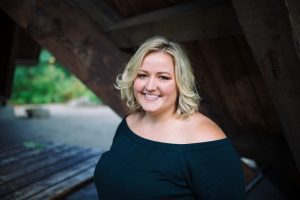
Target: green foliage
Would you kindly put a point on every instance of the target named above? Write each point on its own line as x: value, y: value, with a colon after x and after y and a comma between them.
x: 47, y: 82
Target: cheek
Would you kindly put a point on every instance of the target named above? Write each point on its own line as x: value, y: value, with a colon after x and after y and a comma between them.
x: 137, y: 86
x: 171, y: 89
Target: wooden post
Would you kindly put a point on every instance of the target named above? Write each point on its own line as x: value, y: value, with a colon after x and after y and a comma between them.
x: 8, y: 38
x: 268, y: 31
x: 75, y: 41
x: 294, y: 11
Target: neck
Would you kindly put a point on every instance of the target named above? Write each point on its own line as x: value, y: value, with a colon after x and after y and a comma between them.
x: 156, y: 118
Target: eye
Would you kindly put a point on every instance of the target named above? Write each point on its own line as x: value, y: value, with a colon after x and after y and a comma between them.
x: 141, y: 76
x: 164, y: 78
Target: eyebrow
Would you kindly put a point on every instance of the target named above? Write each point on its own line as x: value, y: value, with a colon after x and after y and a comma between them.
x: 145, y: 71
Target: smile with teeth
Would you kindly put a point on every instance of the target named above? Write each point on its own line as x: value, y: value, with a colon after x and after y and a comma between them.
x: 151, y: 97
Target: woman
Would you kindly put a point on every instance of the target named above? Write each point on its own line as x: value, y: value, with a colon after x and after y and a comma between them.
x: 166, y: 149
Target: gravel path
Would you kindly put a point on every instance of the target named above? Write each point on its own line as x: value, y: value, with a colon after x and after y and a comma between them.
x: 89, y: 126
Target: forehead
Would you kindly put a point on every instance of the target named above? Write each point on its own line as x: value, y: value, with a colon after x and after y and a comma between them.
x: 159, y: 61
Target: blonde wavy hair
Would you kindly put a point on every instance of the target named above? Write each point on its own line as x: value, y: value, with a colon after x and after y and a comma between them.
x: 188, y: 98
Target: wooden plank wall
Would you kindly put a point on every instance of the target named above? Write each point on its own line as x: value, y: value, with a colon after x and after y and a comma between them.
x: 267, y: 27
x: 229, y: 76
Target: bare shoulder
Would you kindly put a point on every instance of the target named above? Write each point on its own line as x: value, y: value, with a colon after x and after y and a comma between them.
x: 203, y: 129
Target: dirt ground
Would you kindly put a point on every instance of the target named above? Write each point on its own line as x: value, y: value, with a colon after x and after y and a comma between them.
x: 89, y: 126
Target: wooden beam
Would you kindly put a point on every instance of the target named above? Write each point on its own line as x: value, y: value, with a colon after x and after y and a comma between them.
x: 268, y: 31
x: 267, y: 110
x: 8, y: 44
x: 28, y: 50
x: 190, y: 21
x: 99, y: 12
x: 75, y: 42
x: 294, y: 11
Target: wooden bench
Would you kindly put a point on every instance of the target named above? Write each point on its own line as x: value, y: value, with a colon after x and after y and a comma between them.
x: 45, y: 170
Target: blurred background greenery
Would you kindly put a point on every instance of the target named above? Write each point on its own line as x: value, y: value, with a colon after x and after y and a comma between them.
x: 47, y: 82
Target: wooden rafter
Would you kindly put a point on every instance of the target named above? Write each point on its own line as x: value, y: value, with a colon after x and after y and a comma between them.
x: 268, y: 31
x: 75, y: 42
x: 100, y: 12
x: 294, y: 11
x: 190, y: 21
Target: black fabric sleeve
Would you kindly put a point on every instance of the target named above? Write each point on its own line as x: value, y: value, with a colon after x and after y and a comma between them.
x: 215, y: 174
x: 119, y: 129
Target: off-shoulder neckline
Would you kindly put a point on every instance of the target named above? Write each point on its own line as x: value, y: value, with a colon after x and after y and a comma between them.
x: 174, y: 146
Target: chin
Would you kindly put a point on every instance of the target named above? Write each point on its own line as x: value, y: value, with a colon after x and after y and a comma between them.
x: 149, y: 109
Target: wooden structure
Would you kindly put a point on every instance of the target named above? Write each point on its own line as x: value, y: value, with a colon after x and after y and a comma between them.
x: 245, y: 54
x: 45, y: 171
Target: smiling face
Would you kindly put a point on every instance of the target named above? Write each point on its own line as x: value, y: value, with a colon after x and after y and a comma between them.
x: 155, y: 86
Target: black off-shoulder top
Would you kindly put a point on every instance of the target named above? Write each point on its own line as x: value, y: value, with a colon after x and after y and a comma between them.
x: 142, y: 169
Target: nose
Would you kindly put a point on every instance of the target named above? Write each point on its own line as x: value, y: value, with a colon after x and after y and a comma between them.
x: 151, y: 84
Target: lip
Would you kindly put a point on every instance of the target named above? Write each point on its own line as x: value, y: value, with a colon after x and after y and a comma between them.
x: 151, y: 97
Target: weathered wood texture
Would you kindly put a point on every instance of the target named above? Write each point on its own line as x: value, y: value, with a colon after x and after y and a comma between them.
x: 183, y: 22
x: 231, y: 79
x: 235, y: 96
x: 45, y: 171
x: 268, y: 31
x: 27, y: 50
x: 75, y: 42
x: 294, y: 14
x: 99, y: 11
x: 8, y: 41
x: 137, y: 7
